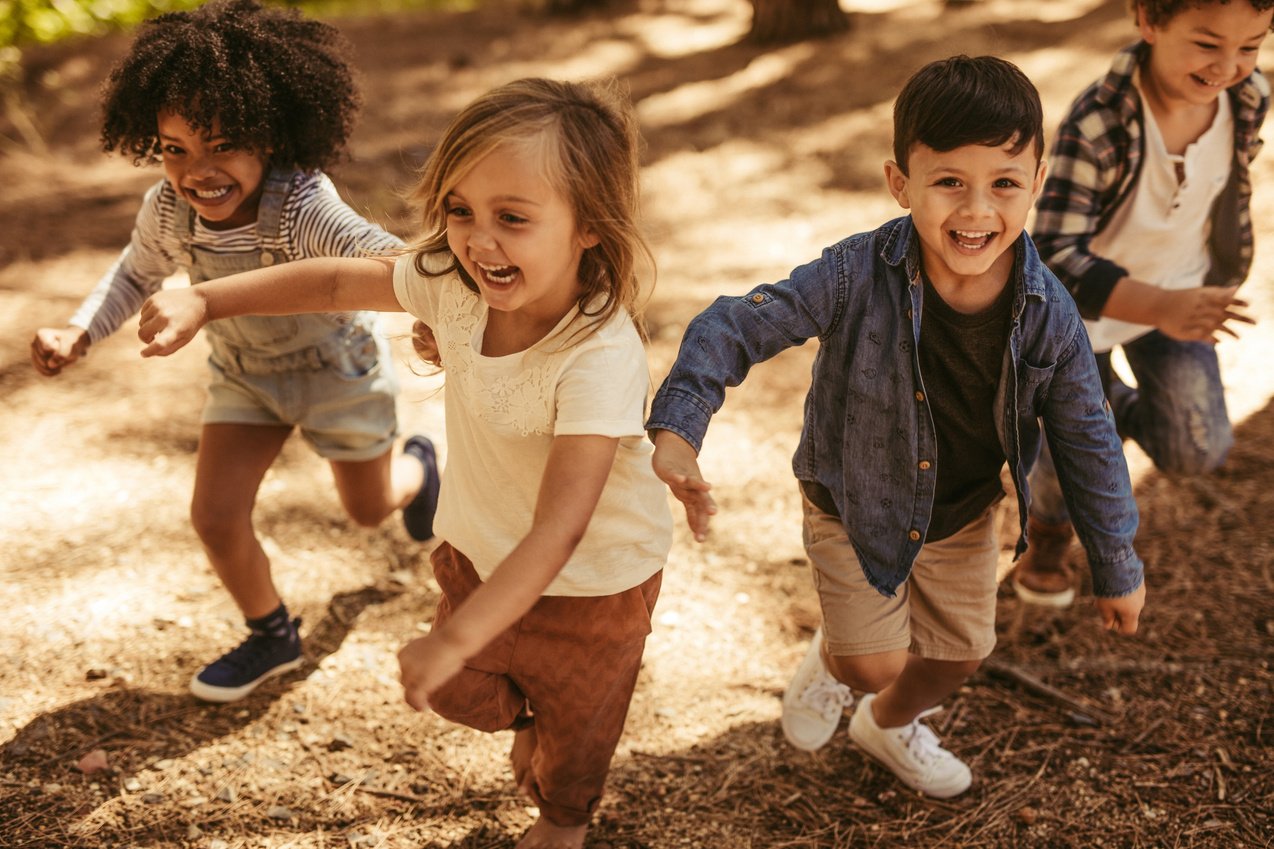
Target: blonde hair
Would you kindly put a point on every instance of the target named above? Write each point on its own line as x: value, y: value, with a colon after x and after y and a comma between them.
x: 585, y: 135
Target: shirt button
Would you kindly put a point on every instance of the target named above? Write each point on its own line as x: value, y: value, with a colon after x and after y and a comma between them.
x: 758, y: 298
x: 914, y: 536
x: 920, y: 396
x: 924, y: 464
x: 267, y: 258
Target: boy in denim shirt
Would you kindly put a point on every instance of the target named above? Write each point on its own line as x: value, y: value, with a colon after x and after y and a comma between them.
x: 943, y: 342
x: 1145, y: 218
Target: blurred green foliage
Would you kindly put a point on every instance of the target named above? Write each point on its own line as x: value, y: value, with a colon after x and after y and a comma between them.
x: 44, y: 21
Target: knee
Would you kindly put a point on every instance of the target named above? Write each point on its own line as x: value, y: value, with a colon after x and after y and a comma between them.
x: 869, y: 673
x: 1195, y: 455
x: 366, y: 515
x: 478, y: 700
x: 215, y: 524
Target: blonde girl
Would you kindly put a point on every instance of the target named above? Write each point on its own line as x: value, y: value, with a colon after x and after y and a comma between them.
x: 554, y: 527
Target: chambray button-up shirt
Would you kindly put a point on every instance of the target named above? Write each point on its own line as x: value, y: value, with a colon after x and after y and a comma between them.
x: 868, y: 427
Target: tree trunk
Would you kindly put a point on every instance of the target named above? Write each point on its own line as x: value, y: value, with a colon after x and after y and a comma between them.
x: 777, y: 21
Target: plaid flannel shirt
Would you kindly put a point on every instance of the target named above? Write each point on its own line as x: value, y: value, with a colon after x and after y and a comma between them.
x: 1094, y: 164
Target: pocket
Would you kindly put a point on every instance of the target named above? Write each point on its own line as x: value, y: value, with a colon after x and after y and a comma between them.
x: 255, y: 332
x: 1032, y: 388
x: 352, y: 355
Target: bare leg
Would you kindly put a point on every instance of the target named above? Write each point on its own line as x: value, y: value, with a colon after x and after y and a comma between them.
x: 372, y: 489
x: 523, y: 750
x: 906, y: 685
x: 233, y: 458
x: 545, y: 835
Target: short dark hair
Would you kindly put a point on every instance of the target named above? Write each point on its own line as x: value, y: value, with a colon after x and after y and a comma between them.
x: 275, y: 80
x: 1159, y: 12
x: 961, y: 100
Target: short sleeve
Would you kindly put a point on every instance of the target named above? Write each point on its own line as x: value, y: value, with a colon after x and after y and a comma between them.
x: 413, y: 290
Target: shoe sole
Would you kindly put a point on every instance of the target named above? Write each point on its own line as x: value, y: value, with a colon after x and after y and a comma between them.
x: 1058, y: 600
x: 223, y: 695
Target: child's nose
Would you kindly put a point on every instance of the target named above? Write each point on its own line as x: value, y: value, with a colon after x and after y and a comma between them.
x: 482, y: 238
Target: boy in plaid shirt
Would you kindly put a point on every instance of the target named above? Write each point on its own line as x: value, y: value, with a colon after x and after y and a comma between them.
x: 1145, y: 218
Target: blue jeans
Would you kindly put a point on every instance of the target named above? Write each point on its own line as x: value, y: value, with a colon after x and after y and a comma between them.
x: 1176, y: 414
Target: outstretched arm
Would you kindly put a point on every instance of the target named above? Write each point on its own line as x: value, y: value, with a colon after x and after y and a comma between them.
x: 677, y: 465
x: 171, y: 318
x: 574, y: 477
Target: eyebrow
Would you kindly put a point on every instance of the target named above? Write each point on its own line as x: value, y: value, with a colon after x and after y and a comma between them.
x: 500, y: 199
x: 1207, y: 33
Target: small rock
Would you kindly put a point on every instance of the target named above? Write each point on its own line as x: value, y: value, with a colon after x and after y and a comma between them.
x: 218, y: 844
x: 96, y: 673
x: 163, y: 763
x: 360, y: 840
x: 132, y: 785
x: 278, y: 812
x: 94, y: 761
x: 194, y: 801
x: 338, y: 778
x: 153, y: 798
x: 1027, y: 815
x: 52, y: 789
x: 193, y: 832
x: 227, y: 794
x: 339, y: 742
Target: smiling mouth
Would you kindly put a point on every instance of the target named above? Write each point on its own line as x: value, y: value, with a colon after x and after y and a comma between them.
x: 1206, y: 82
x: 971, y: 240
x: 500, y: 275
x: 210, y: 194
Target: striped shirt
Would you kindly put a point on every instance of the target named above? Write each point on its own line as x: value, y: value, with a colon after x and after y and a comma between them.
x: 314, y: 222
x: 1095, y: 162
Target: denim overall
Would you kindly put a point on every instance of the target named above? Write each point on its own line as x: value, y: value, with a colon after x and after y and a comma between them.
x: 322, y: 372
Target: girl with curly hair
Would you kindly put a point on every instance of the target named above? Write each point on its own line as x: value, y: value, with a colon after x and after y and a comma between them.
x: 243, y: 106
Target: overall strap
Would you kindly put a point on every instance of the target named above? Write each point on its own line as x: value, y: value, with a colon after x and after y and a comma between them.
x: 270, y: 215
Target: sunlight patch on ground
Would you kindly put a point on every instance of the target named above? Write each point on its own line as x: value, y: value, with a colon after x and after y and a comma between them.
x: 693, y: 100
x: 670, y: 36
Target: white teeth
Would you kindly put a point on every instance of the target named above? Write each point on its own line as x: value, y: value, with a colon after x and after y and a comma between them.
x: 1207, y: 82
x: 972, y: 234
x: 499, y: 273
x: 211, y: 194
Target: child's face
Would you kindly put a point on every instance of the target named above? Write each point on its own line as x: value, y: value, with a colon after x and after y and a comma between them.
x: 1204, y: 50
x: 516, y: 236
x: 969, y: 206
x: 222, y: 182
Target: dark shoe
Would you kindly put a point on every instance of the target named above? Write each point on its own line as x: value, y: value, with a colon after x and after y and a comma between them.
x: 240, y: 670
x: 1044, y: 575
x: 418, y: 515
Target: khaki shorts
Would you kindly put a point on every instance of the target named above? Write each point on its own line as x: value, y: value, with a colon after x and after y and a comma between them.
x: 945, y: 610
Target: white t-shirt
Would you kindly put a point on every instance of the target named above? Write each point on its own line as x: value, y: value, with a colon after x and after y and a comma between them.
x: 1160, y: 232
x: 502, y: 414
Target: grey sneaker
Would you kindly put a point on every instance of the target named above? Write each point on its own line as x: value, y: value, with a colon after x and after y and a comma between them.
x: 911, y: 752
x: 814, y: 701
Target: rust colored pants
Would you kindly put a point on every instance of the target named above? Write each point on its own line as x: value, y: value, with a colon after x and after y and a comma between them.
x: 568, y: 667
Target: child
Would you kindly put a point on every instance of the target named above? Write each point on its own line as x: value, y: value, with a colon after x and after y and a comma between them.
x: 1146, y: 220
x: 243, y: 106
x: 555, y: 527
x: 943, y: 341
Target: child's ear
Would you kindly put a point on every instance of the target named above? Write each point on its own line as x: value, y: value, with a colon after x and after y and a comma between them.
x: 896, y: 179
x: 1040, y: 174
x: 588, y: 239
x: 1147, y: 31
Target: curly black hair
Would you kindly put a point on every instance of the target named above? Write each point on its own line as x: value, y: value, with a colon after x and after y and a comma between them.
x: 1159, y: 12
x: 274, y: 80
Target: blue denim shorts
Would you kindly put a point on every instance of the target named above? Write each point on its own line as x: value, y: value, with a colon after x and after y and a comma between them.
x: 345, y: 409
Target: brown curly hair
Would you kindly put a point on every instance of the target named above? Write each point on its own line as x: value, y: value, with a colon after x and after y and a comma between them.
x: 1159, y: 12
x: 274, y: 80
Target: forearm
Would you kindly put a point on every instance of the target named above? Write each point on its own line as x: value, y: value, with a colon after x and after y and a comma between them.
x: 305, y: 286
x: 1135, y: 301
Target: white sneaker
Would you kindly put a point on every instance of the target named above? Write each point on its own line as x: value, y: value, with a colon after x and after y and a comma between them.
x: 911, y: 752
x: 814, y: 701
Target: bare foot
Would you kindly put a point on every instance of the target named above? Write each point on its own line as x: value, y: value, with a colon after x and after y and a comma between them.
x: 545, y: 835
x: 524, y: 744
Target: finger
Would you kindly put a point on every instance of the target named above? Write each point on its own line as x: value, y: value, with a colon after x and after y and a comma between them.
x: 1231, y: 315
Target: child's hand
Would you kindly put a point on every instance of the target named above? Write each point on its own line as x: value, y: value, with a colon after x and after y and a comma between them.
x: 677, y: 465
x: 54, y: 349
x: 1121, y: 614
x: 422, y: 339
x: 1199, y: 314
x: 170, y: 319
x: 426, y: 663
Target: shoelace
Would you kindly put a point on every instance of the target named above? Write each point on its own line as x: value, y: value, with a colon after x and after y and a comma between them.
x: 922, y: 743
x: 249, y: 653
x: 827, y: 696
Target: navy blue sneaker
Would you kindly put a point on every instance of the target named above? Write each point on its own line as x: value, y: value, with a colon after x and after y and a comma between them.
x: 240, y: 670
x: 418, y: 515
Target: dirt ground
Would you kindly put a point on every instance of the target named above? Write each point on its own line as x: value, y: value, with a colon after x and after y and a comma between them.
x: 755, y: 160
